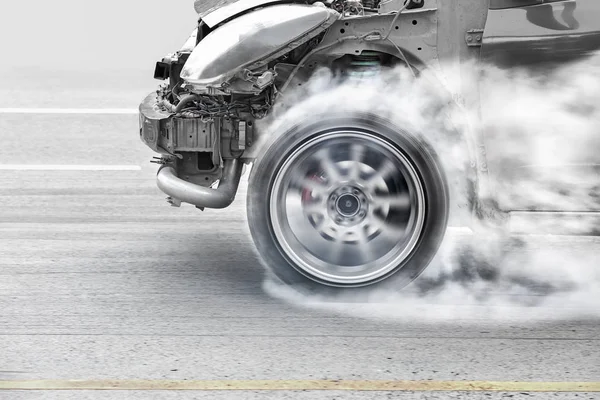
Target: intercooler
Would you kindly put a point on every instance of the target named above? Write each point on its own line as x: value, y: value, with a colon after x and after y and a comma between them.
x: 167, y: 134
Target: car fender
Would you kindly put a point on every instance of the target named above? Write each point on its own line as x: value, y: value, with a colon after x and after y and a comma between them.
x: 215, y: 12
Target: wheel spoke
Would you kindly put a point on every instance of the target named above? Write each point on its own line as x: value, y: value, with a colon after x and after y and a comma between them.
x: 357, y: 152
x: 398, y: 200
x: 386, y: 169
x: 366, y: 248
x: 331, y: 170
x: 315, y: 207
x: 327, y: 228
x: 336, y: 252
x: 389, y: 230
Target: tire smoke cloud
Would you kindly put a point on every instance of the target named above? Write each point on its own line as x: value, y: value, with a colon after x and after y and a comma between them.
x: 541, y: 132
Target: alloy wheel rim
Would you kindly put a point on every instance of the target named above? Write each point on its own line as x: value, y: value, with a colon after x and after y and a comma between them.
x: 347, y: 208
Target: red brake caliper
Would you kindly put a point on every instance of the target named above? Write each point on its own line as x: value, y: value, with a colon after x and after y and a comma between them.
x: 306, y: 192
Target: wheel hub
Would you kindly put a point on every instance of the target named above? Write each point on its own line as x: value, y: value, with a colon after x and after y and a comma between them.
x: 347, y: 205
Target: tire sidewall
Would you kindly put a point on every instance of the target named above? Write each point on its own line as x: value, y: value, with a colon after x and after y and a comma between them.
x: 283, y: 143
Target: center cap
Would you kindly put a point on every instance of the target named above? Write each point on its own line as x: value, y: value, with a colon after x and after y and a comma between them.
x: 348, y: 205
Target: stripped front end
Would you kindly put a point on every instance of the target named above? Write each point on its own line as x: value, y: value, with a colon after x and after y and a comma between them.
x: 202, y: 120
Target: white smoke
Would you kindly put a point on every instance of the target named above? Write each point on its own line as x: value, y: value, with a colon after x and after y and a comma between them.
x: 545, y: 120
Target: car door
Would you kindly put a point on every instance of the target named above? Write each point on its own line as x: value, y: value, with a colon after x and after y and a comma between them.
x: 540, y: 33
x: 542, y: 134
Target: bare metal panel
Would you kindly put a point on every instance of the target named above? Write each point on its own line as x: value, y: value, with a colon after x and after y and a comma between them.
x: 497, y: 4
x: 414, y: 32
x: 213, y: 12
x: 194, y: 135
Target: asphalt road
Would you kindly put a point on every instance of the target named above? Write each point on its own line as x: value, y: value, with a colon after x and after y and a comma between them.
x: 100, y: 279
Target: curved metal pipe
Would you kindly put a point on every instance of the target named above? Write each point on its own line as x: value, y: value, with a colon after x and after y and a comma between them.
x: 200, y: 196
x: 184, y: 101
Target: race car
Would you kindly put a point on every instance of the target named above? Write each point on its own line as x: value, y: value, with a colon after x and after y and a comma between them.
x: 346, y: 191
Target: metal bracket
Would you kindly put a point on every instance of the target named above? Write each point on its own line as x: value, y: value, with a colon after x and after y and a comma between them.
x: 174, y: 202
x: 474, y: 37
x: 164, y: 160
x: 242, y: 135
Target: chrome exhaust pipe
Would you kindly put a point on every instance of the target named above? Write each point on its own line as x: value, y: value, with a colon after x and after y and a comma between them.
x: 200, y: 196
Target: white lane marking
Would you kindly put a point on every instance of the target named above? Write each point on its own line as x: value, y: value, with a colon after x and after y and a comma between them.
x: 29, y: 167
x: 312, y: 385
x: 127, y: 111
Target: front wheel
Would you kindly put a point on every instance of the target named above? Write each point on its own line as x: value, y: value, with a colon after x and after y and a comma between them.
x: 347, y: 202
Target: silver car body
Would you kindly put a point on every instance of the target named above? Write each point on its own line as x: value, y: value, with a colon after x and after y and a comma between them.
x: 215, y: 12
x: 451, y: 34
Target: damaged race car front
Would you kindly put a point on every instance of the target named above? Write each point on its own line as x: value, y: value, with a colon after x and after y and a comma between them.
x: 337, y: 200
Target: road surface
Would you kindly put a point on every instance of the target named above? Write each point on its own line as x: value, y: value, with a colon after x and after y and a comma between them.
x: 100, y: 280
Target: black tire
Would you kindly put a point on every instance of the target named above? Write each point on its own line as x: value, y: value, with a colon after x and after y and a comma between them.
x: 287, y: 141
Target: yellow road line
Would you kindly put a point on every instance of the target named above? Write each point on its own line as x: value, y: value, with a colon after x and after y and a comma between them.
x: 350, y: 385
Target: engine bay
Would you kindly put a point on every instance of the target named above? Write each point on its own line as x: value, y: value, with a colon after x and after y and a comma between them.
x: 227, y: 77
